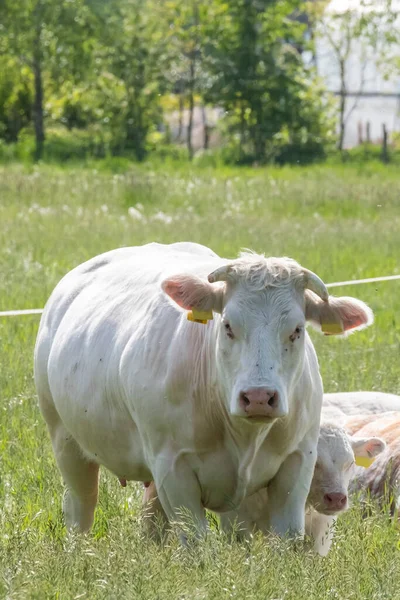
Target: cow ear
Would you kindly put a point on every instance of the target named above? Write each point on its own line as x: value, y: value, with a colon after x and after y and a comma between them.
x: 367, y: 447
x: 337, y: 316
x: 190, y: 292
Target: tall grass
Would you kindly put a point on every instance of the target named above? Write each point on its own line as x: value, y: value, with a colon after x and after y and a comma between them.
x: 338, y: 221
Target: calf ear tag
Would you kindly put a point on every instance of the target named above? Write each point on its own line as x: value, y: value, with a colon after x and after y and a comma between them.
x: 364, y: 461
x: 200, y: 316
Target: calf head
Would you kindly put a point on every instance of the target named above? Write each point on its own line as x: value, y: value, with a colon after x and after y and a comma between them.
x: 335, y: 467
x: 260, y: 336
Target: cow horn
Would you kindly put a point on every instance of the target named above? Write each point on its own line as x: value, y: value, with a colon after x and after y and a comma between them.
x: 315, y: 284
x: 221, y: 274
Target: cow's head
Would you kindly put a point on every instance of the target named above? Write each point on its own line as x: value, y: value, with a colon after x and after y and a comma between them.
x: 335, y: 467
x: 264, y: 304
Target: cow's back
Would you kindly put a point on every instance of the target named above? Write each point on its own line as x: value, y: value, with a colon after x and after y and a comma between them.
x: 116, y: 281
x: 106, y: 342
x: 382, y: 478
x: 338, y: 406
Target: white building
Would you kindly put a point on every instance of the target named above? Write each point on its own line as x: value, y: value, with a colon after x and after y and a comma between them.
x: 379, y: 102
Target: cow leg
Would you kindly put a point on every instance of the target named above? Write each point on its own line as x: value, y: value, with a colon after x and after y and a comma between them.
x: 321, y: 529
x: 180, y: 496
x: 155, y: 519
x: 249, y: 517
x: 288, y: 491
x: 81, y: 478
x: 237, y: 523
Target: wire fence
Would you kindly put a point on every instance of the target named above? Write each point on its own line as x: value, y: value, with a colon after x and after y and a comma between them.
x: 38, y: 311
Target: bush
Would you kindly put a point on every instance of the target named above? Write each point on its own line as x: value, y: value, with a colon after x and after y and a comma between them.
x: 366, y: 153
x: 61, y: 145
x: 75, y: 144
x: 7, y: 152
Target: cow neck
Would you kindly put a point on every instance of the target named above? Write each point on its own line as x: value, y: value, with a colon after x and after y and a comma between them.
x: 242, y: 439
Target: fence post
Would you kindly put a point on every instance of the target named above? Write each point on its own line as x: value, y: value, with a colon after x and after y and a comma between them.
x: 385, y: 154
x: 360, y: 133
x: 368, y: 132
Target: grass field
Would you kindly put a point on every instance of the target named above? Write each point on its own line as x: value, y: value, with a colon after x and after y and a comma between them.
x: 340, y: 222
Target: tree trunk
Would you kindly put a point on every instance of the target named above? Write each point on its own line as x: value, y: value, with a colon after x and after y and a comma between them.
x: 205, y: 127
x: 141, y: 134
x: 242, y: 129
x: 191, y: 106
x: 342, y: 126
x: 192, y: 78
x: 37, y: 109
x: 259, y: 136
x: 180, y: 118
x: 135, y: 130
x: 342, y: 108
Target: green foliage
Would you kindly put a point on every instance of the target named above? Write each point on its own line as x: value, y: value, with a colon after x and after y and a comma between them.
x: 57, y: 32
x: 342, y: 222
x: 137, y: 59
x: 15, y: 98
x: 62, y: 145
x: 113, y: 67
x: 366, y: 153
x: 274, y: 103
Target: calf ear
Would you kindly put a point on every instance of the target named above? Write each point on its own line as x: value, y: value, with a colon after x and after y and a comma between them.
x: 191, y: 292
x: 367, y: 447
x: 337, y: 316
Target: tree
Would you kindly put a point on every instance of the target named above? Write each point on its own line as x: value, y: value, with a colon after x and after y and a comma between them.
x: 15, y: 98
x: 134, y: 51
x: 261, y: 80
x: 44, y: 35
x: 189, y: 41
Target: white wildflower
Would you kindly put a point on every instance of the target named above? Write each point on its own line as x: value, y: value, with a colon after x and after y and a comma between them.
x: 162, y: 217
x: 135, y: 214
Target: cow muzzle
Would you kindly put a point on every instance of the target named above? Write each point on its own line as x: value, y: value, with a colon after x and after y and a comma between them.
x: 335, y: 502
x: 261, y: 402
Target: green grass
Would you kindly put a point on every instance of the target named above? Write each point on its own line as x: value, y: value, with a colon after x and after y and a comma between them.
x: 342, y: 222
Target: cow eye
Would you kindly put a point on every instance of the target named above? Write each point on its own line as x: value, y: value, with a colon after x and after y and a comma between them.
x: 296, y: 334
x: 229, y: 331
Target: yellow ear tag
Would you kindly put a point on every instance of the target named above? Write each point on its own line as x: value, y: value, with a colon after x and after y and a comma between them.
x: 331, y: 328
x: 200, y: 316
x: 364, y: 461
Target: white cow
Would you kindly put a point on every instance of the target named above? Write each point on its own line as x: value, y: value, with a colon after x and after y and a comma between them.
x: 327, y: 498
x: 334, y: 470
x: 328, y: 495
x: 210, y: 412
x: 340, y: 405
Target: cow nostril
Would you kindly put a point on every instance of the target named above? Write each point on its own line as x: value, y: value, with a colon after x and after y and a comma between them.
x: 328, y: 499
x: 272, y: 400
x: 245, y: 400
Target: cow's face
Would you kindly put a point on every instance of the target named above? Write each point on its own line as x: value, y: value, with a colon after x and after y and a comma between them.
x: 260, y: 338
x: 260, y: 349
x: 335, y: 467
